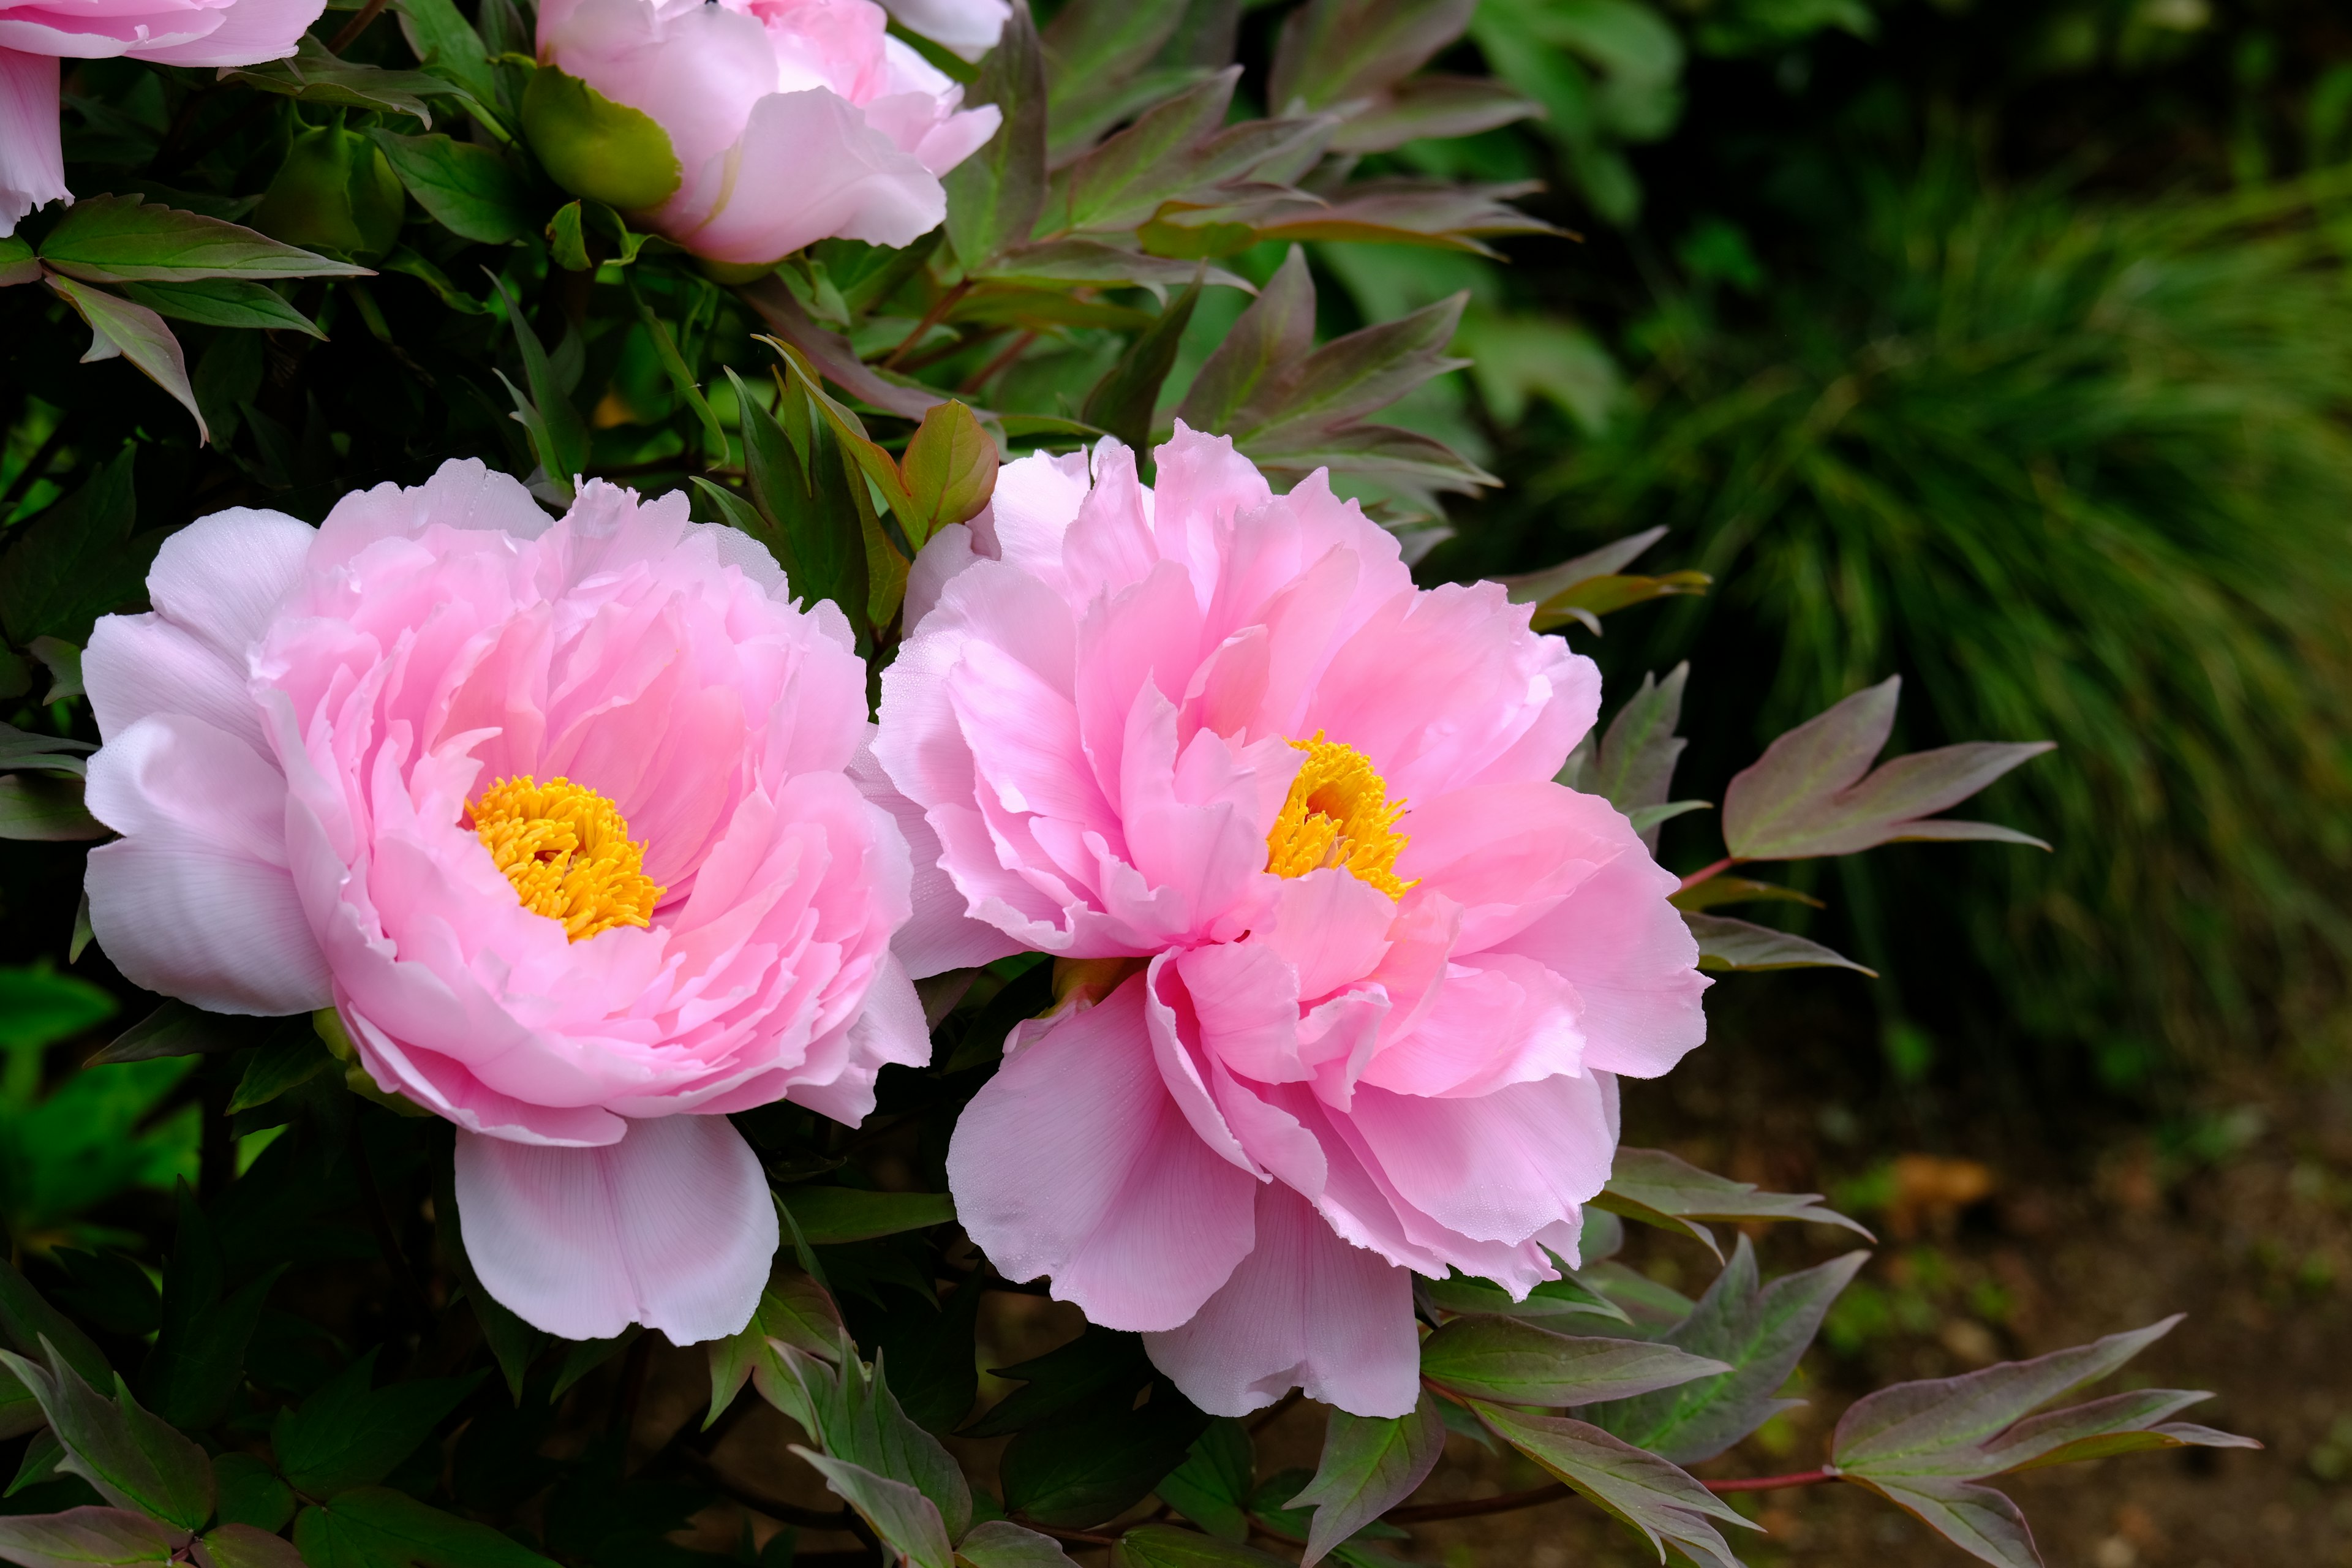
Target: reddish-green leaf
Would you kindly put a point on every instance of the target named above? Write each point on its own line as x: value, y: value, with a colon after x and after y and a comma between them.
x: 1517, y: 1362
x: 1368, y: 1465
x: 1639, y: 1490
x: 112, y: 240
x: 89, y: 1537
x: 1657, y: 1188
x: 1727, y: 943
x: 949, y: 469
x: 136, y: 333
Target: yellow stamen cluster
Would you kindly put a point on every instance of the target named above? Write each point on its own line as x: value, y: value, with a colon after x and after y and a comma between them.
x: 1337, y: 815
x: 568, y: 852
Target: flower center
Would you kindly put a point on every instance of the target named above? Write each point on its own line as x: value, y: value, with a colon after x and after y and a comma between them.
x: 1338, y: 813
x: 568, y: 852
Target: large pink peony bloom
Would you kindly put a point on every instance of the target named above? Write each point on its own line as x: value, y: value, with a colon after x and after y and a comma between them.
x: 1379, y: 968
x: 34, y: 34
x: 555, y: 815
x: 790, y: 121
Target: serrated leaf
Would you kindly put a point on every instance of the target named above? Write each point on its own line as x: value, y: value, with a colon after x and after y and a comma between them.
x: 1125, y: 400
x: 1642, y: 1491
x: 352, y: 1433
x: 1657, y: 1188
x: 1727, y: 943
x: 223, y: 302
x: 315, y: 76
x: 1813, y: 791
x: 468, y: 189
x: 88, y: 1538
x: 1760, y: 1330
x: 902, y: 1515
x: 1165, y: 1546
x: 1367, y: 1465
x: 375, y: 1527
x: 994, y: 197
x: 134, y: 1460
x: 117, y: 239
x: 136, y: 333
x: 997, y: 1543
x: 1519, y: 1363
x: 1212, y: 1488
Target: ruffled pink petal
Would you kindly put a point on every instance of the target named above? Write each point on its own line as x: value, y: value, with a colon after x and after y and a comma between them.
x: 223, y: 577
x: 807, y: 166
x: 672, y: 1227
x: 938, y: 936
x: 1303, y: 1310
x: 250, y: 31
x: 697, y: 71
x: 196, y: 901
x: 32, y: 158
x: 948, y: 552
x: 139, y: 666
x: 1498, y: 1167
x: 1036, y: 500
x: 1633, y: 963
x: 1076, y: 1161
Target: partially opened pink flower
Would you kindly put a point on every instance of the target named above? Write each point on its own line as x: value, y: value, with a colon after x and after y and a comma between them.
x: 774, y: 123
x: 34, y: 34
x: 555, y: 817
x: 1367, y: 971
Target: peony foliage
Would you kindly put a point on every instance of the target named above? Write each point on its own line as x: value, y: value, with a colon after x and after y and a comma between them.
x: 742, y: 673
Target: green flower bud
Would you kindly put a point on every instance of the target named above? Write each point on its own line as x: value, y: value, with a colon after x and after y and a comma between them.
x: 596, y: 148
x: 335, y: 193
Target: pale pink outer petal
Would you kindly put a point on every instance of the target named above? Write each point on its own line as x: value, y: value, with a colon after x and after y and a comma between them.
x: 250, y: 31
x: 672, y: 1227
x: 32, y: 158
x: 695, y: 70
x: 970, y: 27
x: 807, y: 166
x: 223, y: 577
x: 1303, y: 1310
x: 1076, y: 1161
x: 948, y: 551
x: 939, y: 936
x: 890, y: 1031
x: 196, y: 900
x: 139, y: 665
x: 101, y: 32
x: 1497, y: 1167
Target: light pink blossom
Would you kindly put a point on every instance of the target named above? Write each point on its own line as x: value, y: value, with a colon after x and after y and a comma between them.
x: 1302, y: 1068
x: 35, y: 34
x: 792, y: 121
x: 305, y: 746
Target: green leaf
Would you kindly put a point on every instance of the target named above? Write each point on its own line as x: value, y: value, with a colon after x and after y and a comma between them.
x: 28, y: 1323
x: 468, y: 189
x: 19, y: 1412
x: 586, y: 1356
x: 1554, y: 1303
x: 1645, y: 1493
x: 1275, y: 333
x: 350, y: 1434
x: 46, y: 810
x: 1092, y: 53
x: 135, y: 334
x: 994, y: 197
x: 113, y: 239
x: 1727, y: 943
x: 443, y: 40
x: 858, y: 1420
x: 1165, y: 1546
x: 1080, y: 260
x: 1656, y: 1188
x: 996, y: 1543
x: 1100, y: 1367
x: 83, y: 1537
x: 38, y: 1006
x: 1081, y: 1471
x: 1721, y: 889
x: 1352, y: 376
x: 1587, y: 601
x: 1213, y: 1487
x: 902, y: 1515
x: 288, y: 1059
x: 75, y: 562
x: 250, y: 1493
x: 558, y: 433
x: 514, y: 1344
x: 949, y: 471
x: 567, y: 239
x: 375, y: 1527
x: 198, y: 1362
x: 1368, y: 1465
x: 1535, y: 587
x: 1980, y: 1521
x: 1125, y: 400
x: 223, y: 302
x: 793, y: 1309
x: 1519, y: 1363
x: 1431, y: 108
x: 134, y: 1460
x: 681, y: 378
x: 177, y: 1029
x: 1760, y: 1330
x: 1808, y: 794
x: 1331, y: 52
x: 17, y: 263
x: 245, y: 1546
x: 1407, y: 212
x: 802, y: 486
x: 313, y: 75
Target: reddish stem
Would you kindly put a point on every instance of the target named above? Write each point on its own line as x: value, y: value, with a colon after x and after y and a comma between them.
x: 1703, y: 872
x: 1771, y: 1483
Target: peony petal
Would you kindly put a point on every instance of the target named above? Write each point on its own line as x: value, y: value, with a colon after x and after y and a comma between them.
x: 32, y: 156
x: 1303, y: 1310
x: 671, y: 1227
x: 250, y: 31
x: 1499, y: 1167
x: 1075, y: 1162
x: 970, y: 27
x: 223, y: 577
x: 1633, y: 963
x: 139, y: 666
x: 807, y: 166
x: 196, y: 901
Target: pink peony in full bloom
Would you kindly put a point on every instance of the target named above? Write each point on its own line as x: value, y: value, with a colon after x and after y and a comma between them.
x: 555, y: 815
x: 35, y: 34
x: 1365, y: 973
x: 781, y: 122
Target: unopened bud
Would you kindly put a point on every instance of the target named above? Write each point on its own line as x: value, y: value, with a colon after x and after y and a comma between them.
x: 335, y: 193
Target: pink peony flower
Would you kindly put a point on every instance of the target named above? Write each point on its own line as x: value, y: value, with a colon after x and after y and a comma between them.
x: 556, y: 816
x: 787, y: 121
x: 34, y: 34
x: 1362, y: 973
x: 970, y: 27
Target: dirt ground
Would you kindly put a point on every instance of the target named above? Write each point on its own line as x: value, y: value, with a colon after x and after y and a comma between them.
x: 2016, y: 1227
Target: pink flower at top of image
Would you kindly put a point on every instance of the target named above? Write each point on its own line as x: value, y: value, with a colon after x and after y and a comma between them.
x: 786, y: 122
x: 35, y: 34
x: 1349, y: 978
x: 555, y: 815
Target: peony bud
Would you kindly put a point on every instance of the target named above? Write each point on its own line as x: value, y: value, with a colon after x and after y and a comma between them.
x: 335, y: 193
x: 594, y: 147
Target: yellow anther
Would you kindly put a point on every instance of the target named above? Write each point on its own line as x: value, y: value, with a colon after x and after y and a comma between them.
x: 1338, y: 813
x: 568, y: 852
